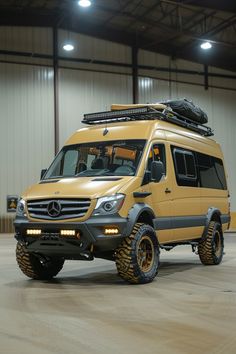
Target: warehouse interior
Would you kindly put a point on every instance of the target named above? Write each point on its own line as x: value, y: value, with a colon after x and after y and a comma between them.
x: 128, y: 51
x: 118, y: 51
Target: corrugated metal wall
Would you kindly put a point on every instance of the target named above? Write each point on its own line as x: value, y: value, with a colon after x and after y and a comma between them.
x: 86, y: 92
x: 27, y: 107
x: 26, y: 128
x: 158, y: 60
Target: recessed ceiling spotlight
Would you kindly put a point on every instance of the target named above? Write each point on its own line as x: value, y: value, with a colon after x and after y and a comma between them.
x: 84, y: 3
x: 68, y: 47
x: 206, y: 45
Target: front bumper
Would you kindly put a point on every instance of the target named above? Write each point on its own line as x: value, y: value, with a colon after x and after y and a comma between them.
x: 91, y: 236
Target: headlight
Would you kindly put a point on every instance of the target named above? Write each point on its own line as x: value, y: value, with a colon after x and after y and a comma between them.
x: 20, y: 210
x: 109, y: 205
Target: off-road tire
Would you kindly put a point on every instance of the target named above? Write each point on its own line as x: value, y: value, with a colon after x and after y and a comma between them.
x: 211, y: 248
x: 131, y: 263
x: 32, y: 266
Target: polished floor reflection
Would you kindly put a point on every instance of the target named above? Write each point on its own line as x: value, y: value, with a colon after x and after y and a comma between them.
x: 88, y: 309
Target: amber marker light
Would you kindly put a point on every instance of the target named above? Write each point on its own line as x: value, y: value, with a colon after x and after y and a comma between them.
x: 111, y: 231
x: 33, y: 232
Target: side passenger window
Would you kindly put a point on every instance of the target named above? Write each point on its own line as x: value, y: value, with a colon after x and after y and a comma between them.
x: 185, y: 167
x: 157, y: 153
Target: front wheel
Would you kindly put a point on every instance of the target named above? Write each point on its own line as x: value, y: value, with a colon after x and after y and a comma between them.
x: 35, y: 266
x: 211, y: 248
x: 137, y: 258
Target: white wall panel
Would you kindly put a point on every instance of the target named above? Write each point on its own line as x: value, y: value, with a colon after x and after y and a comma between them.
x: 93, y: 48
x: 159, y: 60
x: 83, y: 92
x: 26, y: 127
x: 26, y: 39
x: 222, y: 82
x: 94, y: 67
x: 150, y: 58
x: 220, y: 106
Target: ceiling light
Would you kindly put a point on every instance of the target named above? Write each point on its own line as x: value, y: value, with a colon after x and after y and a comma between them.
x: 206, y: 45
x: 84, y: 3
x: 68, y: 47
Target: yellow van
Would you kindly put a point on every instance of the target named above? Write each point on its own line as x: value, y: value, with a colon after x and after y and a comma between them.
x: 135, y: 180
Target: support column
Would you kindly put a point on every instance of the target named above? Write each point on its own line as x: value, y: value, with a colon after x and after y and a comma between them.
x: 56, y: 92
x: 135, y: 74
x: 206, y: 77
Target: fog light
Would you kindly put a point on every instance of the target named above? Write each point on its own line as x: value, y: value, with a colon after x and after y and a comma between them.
x: 111, y: 231
x: 67, y: 232
x: 34, y: 232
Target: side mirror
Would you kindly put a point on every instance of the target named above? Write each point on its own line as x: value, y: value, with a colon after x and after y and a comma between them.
x: 43, y: 173
x: 157, y: 171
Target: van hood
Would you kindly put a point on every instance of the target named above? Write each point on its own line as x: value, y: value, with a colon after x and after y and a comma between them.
x: 82, y: 187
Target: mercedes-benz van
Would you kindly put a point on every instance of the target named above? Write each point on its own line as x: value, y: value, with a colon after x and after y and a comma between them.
x: 135, y: 180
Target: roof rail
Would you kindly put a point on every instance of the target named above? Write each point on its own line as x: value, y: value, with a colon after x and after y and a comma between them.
x: 146, y: 113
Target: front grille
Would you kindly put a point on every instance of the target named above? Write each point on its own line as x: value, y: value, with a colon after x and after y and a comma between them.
x: 58, y: 209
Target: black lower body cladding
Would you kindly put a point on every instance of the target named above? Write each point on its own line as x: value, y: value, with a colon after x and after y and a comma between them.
x: 188, y: 109
x: 51, y: 243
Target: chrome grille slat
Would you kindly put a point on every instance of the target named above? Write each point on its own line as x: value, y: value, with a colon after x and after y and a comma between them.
x: 46, y: 217
x: 70, y: 208
x: 37, y: 209
x: 78, y: 203
x: 38, y: 203
x: 74, y: 209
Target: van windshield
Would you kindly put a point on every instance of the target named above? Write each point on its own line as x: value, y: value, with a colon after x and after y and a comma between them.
x: 110, y: 158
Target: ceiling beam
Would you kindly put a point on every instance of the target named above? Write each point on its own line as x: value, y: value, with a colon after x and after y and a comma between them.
x: 33, y: 18
x: 219, y: 5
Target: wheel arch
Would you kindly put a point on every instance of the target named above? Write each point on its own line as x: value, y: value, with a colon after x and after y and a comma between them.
x: 213, y: 214
x: 140, y: 212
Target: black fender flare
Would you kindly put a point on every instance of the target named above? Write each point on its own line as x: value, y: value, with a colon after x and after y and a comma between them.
x: 212, y: 214
x: 134, y: 214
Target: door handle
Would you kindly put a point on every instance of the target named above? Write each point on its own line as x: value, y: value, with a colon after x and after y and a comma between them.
x: 167, y: 190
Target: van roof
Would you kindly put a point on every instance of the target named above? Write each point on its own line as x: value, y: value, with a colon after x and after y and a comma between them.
x: 148, y: 130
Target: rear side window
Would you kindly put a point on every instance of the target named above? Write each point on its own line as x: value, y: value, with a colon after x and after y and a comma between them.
x: 195, y: 169
x: 185, y: 167
x: 211, y: 172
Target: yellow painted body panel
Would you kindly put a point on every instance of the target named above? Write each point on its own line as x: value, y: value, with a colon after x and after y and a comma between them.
x: 182, y: 201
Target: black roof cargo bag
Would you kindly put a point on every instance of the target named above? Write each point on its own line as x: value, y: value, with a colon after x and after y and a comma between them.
x: 187, y: 109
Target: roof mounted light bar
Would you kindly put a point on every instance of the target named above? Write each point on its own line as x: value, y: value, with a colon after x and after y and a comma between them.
x: 91, y: 118
x: 146, y: 113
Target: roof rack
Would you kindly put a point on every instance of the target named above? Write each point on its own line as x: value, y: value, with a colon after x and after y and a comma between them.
x: 146, y: 113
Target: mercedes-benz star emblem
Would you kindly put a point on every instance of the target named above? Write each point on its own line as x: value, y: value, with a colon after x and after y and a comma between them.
x: 54, y: 209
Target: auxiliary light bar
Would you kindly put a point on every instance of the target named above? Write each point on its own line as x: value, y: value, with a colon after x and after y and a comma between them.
x: 91, y: 117
x: 33, y: 232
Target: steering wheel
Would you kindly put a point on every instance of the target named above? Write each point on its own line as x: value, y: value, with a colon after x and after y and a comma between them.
x: 125, y: 170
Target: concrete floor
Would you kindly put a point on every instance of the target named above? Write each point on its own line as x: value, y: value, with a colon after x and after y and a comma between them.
x: 88, y: 309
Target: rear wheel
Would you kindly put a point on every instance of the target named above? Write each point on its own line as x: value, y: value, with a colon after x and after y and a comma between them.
x: 35, y: 266
x: 211, y: 249
x: 137, y: 258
